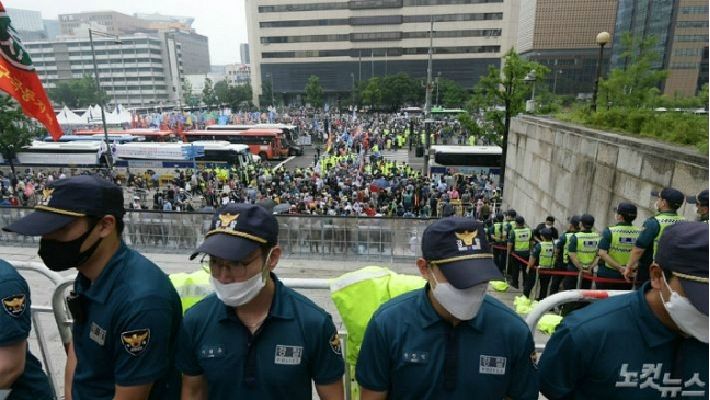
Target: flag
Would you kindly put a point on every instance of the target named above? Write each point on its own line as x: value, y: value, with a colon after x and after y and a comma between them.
x: 19, y: 78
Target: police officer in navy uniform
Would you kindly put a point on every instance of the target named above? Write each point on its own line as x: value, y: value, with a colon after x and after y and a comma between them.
x: 562, y: 253
x: 21, y: 375
x: 519, y: 240
x: 615, y: 246
x: 255, y: 338
x: 542, y: 257
x: 701, y: 204
x: 496, y: 235
x: 448, y: 340
x: 667, y: 204
x: 649, y: 344
x: 126, y: 312
x: 583, y: 248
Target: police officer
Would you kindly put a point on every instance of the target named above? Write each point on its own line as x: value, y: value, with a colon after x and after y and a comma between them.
x: 701, y: 204
x: 667, y: 204
x: 615, y: 246
x: 254, y: 337
x: 649, y: 344
x: 448, y: 340
x: 126, y: 313
x: 519, y: 240
x: 562, y: 253
x: 21, y: 375
x: 496, y: 237
x: 583, y: 247
x: 542, y: 256
x: 549, y: 224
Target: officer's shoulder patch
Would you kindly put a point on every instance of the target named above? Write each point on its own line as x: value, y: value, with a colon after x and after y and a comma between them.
x: 135, y: 342
x: 14, y: 305
x: 335, y: 344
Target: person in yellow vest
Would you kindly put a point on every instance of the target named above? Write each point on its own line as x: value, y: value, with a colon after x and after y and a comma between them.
x: 542, y: 256
x: 497, y: 238
x: 519, y: 239
x: 615, y: 246
x: 667, y: 204
x: 583, y: 248
x: 471, y: 140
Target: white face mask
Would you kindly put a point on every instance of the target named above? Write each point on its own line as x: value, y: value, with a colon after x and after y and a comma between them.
x: 237, y: 294
x: 463, y: 304
x: 686, y: 317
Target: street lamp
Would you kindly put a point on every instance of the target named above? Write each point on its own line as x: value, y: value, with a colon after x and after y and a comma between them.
x: 530, y: 104
x: 438, y: 75
x: 554, y: 84
x: 352, y: 76
x: 109, y: 154
x: 602, y: 39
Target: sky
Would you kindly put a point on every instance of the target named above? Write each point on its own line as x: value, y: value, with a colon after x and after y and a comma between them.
x: 222, y: 21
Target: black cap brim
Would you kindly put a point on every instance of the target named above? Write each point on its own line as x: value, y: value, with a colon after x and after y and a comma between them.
x: 466, y: 273
x: 39, y: 223
x: 226, y: 247
x: 697, y: 293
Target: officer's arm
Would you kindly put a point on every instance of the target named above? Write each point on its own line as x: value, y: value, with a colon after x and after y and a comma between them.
x: 574, y: 260
x: 333, y: 391
x: 69, y: 371
x: 12, y: 362
x: 633, y: 262
x: 367, y: 394
x: 141, y: 392
x: 610, y: 262
x: 193, y: 387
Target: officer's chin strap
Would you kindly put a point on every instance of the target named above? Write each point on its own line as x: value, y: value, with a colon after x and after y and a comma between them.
x: 5, y: 393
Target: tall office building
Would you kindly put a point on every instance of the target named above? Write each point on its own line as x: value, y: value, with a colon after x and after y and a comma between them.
x: 27, y: 23
x: 681, y: 32
x: 343, y: 41
x: 244, y: 53
x: 561, y: 34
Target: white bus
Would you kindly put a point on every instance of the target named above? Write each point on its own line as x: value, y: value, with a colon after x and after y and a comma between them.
x: 70, y: 154
x: 465, y: 160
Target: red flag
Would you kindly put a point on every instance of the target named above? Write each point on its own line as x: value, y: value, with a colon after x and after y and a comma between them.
x: 19, y: 79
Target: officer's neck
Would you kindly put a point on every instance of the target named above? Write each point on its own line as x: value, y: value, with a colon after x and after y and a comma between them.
x: 656, y: 304
x: 92, y: 268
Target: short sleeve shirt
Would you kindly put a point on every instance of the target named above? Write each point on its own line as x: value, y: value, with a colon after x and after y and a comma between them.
x: 536, y: 251
x: 618, y: 349
x: 15, y: 325
x: 406, y: 343
x: 133, y: 316
x: 296, y: 344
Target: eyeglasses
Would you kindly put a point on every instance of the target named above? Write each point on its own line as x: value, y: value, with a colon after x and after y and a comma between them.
x: 216, y: 265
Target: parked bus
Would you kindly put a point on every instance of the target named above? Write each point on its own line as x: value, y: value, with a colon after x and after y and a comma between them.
x: 290, y: 133
x: 221, y: 153
x: 465, y: 160
x: 112, y: 138
x: 70, y: 154
x: 265, y: 143
x: 148, y: 134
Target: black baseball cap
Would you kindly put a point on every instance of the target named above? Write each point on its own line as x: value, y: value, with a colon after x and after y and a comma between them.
x: 546, y: 232
x: 69, y: 199
x: 587, y: 220
x: 674, y: 197
x: 702, y: 198
x: 511, y: 212
x: 683, y: 250
x: 627, y: 209
x: 520, y: 220
x: 237, y: 230
x: 458, y: 246
x: 574, y: 220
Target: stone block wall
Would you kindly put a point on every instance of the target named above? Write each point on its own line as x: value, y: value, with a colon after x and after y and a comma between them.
x: 560, y: 169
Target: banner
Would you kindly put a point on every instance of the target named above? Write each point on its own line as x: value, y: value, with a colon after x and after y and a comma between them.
x: 19, y: 78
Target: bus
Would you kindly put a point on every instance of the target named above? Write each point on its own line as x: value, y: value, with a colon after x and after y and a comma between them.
x: 87, y: 153
x: 221, y: 154
x: 112, y: 138
x: 148, y: 134
x: 290, y: 133
x: 448, y: 161
x: 265, y: 143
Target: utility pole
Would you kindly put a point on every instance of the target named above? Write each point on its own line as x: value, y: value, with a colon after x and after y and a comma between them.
x: 427, y: 104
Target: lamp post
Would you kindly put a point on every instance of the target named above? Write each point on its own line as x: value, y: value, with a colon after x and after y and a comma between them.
x: 352, y: 76
x: 530, y: 104
x: 109, y: 154
x: 554, y: 84
x: 438, y: 75
x: 602, y: 39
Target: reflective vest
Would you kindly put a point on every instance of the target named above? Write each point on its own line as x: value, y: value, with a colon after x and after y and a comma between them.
x: 191, y: 287
x: 522, y: 239
x: 498, y: 232
x: 664, y: 220
x: 623, y: 239
x: 565, y: 249
x: 547, y: 255
x: 587, y: 244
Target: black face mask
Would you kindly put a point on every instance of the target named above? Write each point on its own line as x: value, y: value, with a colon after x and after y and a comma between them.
x: 60, y: 256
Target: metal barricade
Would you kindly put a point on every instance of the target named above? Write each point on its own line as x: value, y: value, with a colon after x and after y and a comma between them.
x: 560, y: 298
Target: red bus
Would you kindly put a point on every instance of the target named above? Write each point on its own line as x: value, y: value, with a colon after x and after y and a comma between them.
x: 150, y: 135
x: 290, y: 133
x: 269, y: 144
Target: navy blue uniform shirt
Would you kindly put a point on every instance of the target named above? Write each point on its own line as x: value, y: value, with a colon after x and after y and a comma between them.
x: 412, y: 353
x: 128, y: 338
x: 15, y: 325
x: 618, y: 349
x: 296, y: 344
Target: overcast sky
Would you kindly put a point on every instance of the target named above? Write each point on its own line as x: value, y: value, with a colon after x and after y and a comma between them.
x: 222, y: 21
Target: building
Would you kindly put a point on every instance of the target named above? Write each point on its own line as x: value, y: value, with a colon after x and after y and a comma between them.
x: 51, y: 28
x: 244, y: 53
x: 139, y: 71
x: 113, y: 22
x: 197, y: 81
x: 561, y: 34
x: 195, y: 51
x: 344, y: 41
x: 238, y: 74
x: 27, y: 23
x: 681, y: 31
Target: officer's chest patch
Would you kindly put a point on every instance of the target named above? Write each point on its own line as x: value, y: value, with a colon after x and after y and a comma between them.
x: 492, y: 365
x: 212, y: 351
x: 288, y: 355
x: 97, y: 334
x: 14, y: 305
x: 415, y: 357
x: 135, y: 342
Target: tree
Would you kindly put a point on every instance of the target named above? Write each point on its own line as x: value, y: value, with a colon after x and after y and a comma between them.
x: 188, y: 97
x: 209, y: 97
x: 16, y: 131
x: 77, y: 93
x: 314, y: 92
x: 397, y: 90
x: 452, y: 95
x: 506, y: 89
x: 372, y: 92
x: 266, y: 92
x: 240, y: 96
x: 221, y: 90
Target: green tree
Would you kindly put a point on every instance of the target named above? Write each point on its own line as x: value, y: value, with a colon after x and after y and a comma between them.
x: 502, y: 94
x: 372, y: 92
x: 77, y: 93
x: 314, y: 92
x: 398, y: 90
x: 209, y: 97
x: 452, y: 95
x: 188, y: 96
x: 266, y: 92
x: 240, y: 97
x: 221, y: 90
x: 16, y: 130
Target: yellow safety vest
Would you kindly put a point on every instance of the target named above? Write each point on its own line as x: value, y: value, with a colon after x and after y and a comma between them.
x: 546, y: 259
x: 191, y: 287
x: 623, y: 239
x: 587, y: 245
x: 664, y: 220
x: 498, y: 232
x: 565, y: 249
x: 521, y: 236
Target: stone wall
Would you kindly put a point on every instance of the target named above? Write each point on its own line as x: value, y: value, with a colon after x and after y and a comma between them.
x: 560, y: 169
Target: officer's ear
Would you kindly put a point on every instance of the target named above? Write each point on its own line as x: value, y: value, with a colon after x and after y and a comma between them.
x: 106, y: 225
x: 274, y: 254
x: 656, y: 276
x: 424, y: 270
